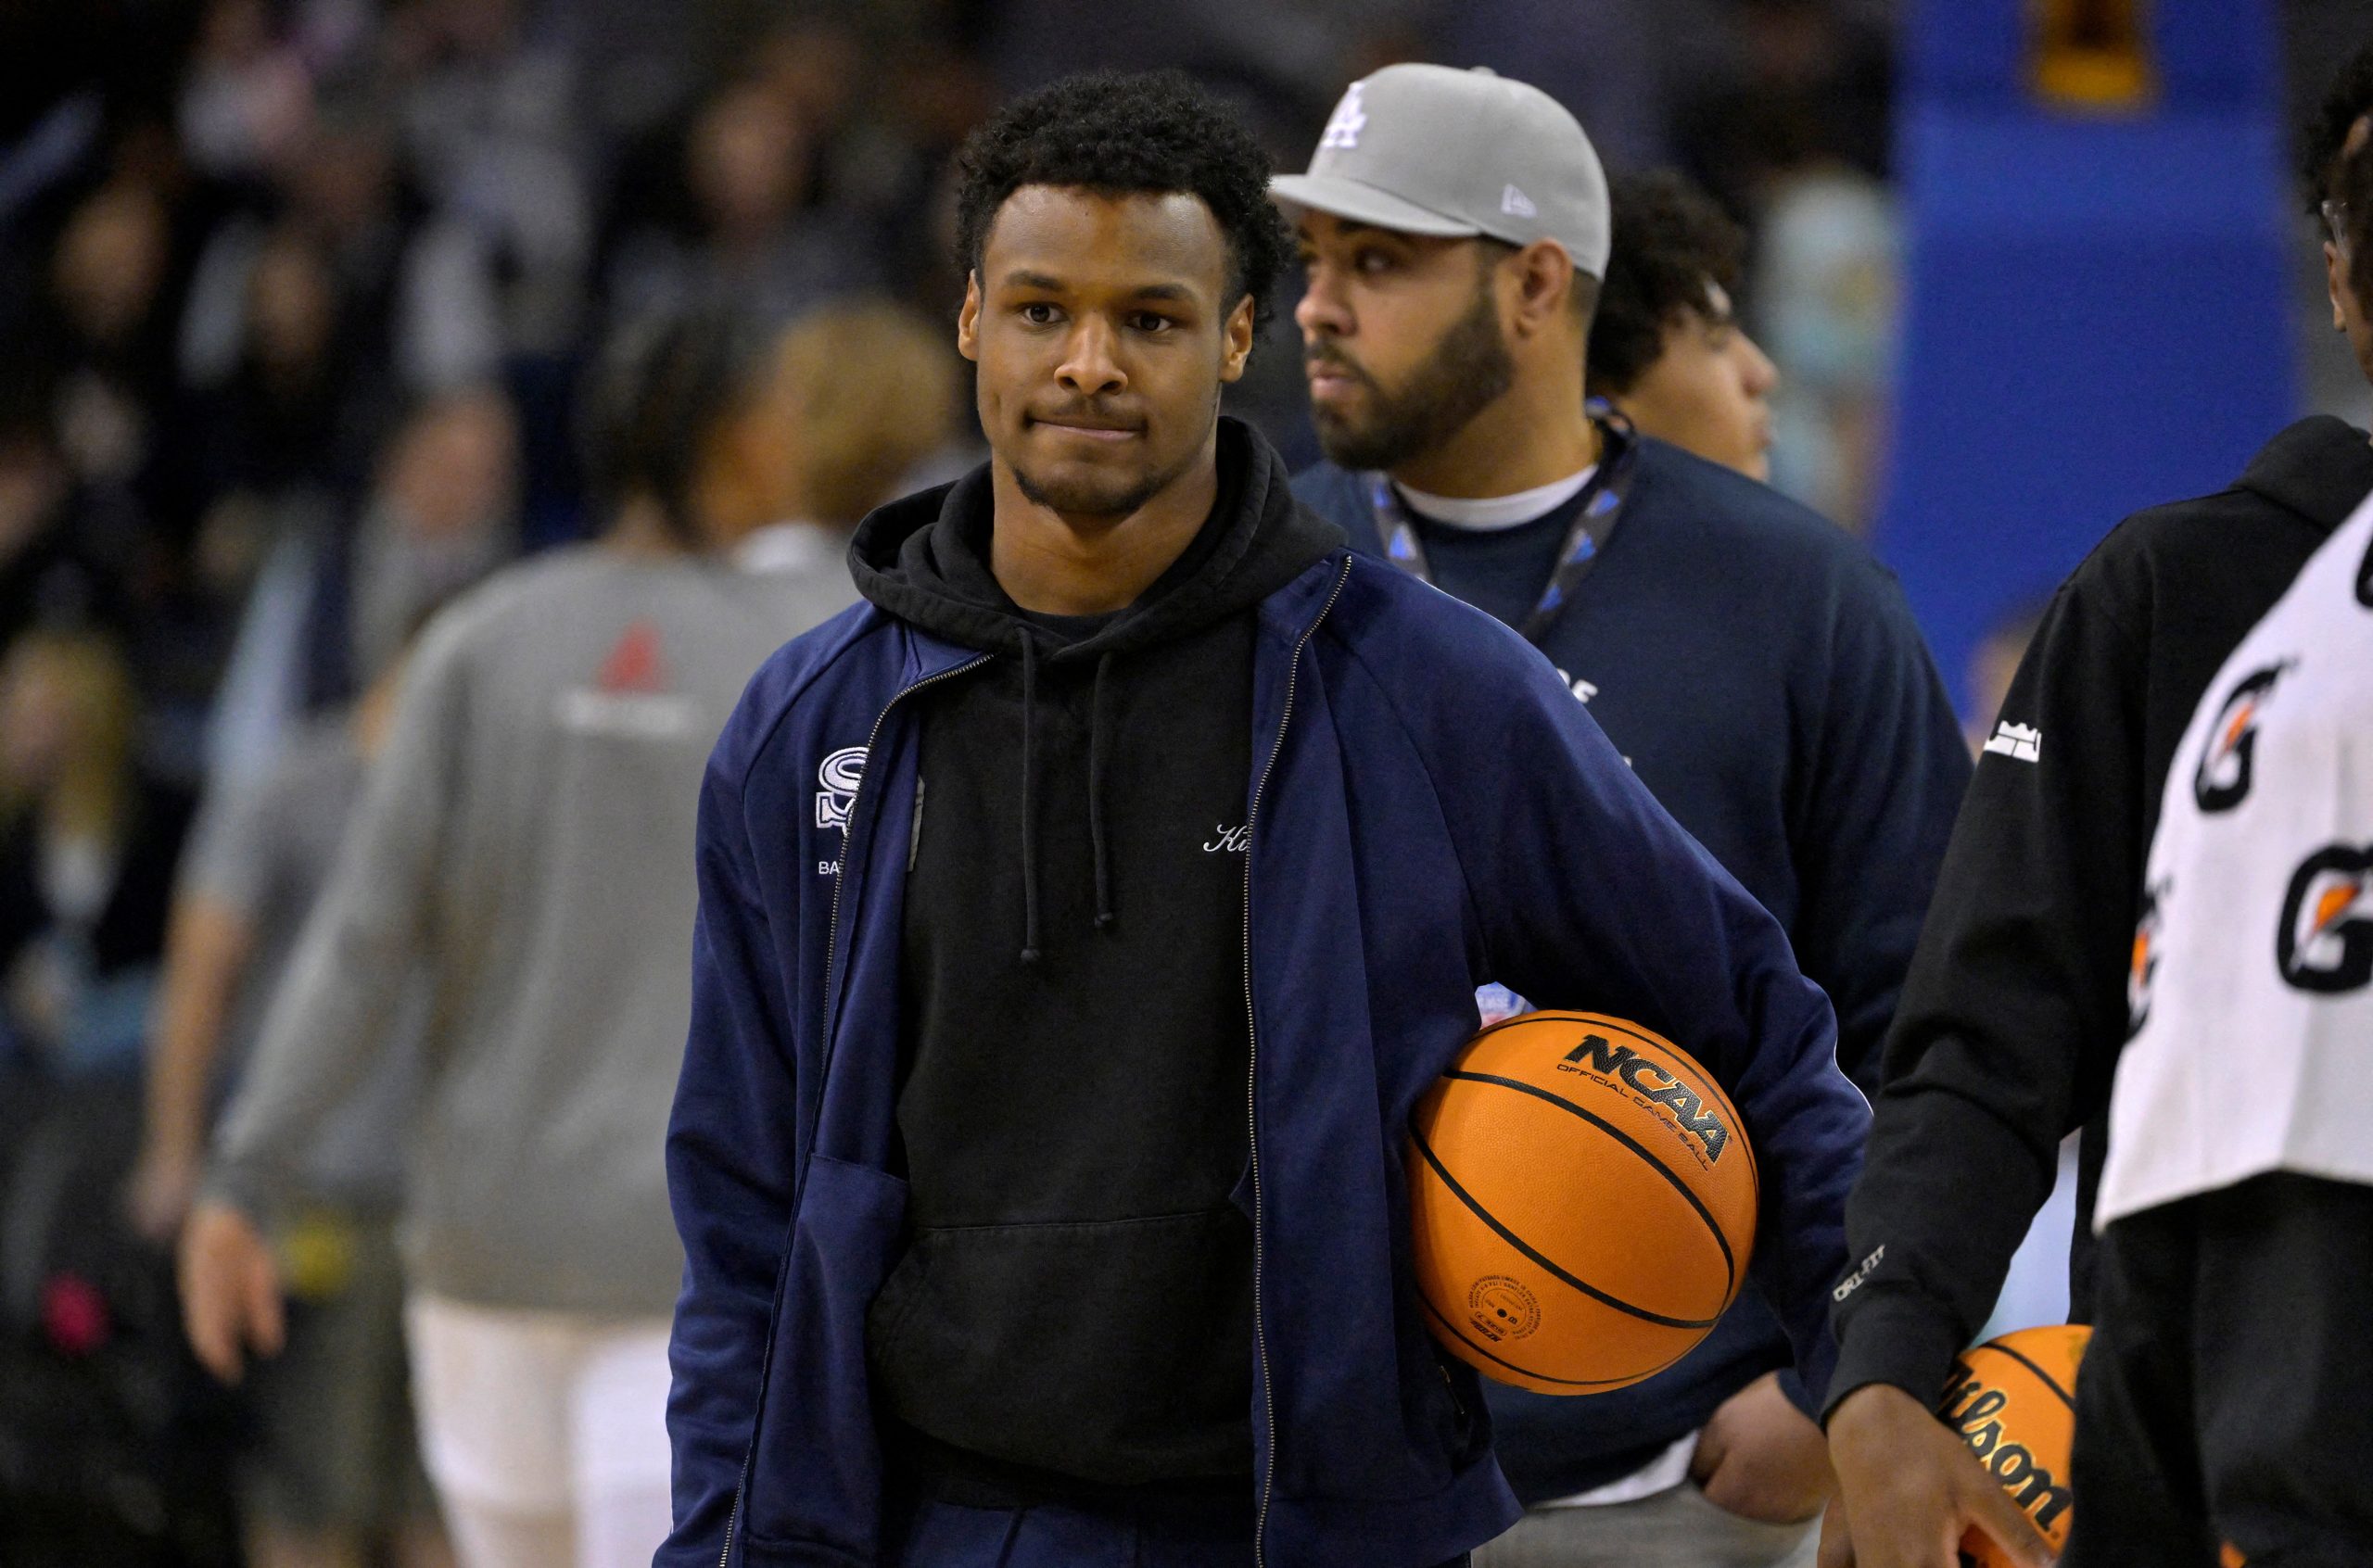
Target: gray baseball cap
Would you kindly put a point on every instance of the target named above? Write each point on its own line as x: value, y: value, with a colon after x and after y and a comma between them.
x: 1425, y: 150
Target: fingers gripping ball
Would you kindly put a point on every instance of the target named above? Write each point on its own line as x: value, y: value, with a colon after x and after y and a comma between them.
x: 2013, y: 1400
x: 1582, y: 1201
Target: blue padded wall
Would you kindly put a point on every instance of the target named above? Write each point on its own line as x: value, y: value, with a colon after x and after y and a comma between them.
x: 2096, y: 307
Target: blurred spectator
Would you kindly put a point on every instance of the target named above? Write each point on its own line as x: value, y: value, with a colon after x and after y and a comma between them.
x: 87, y: 848
x: 489, y: 117
x: 247, y: 96
x: 291, y: 417
x: 333, y: 1475
x: 1666, y: 346
x: 757, y: 251
x: 1825, y: 282
x: 107, y: 339
x: 340, y: 196
x: 541, y: 1260
x: 45, y: 575
x: 330, y: 605
x: 860, y: 394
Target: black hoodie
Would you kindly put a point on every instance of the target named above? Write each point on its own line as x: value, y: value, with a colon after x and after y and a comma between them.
x: 1074, y: 1312
x: 2014, y: 1011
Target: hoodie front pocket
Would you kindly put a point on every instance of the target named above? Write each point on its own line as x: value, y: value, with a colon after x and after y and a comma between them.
x: 1116, y: 1352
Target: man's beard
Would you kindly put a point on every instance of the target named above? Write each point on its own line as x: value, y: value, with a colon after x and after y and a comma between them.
x: 1118, y: 497
x: 1469, y: 369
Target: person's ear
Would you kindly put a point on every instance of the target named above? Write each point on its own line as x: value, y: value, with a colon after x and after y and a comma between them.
x: 1544, y: 282
x: 967, y: 320
x: 1236, y: 345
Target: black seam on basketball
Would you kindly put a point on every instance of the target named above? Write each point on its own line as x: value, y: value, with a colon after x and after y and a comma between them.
x: 1707, y: 1087
x: 1440, y: 1316
x: 1729, y: 1264
x: 1526, y: 1248
x: 2041, y: 1376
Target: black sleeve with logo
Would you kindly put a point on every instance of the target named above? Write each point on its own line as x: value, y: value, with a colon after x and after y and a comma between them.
x: 2013, y: 1008
x: 2017, y: 1002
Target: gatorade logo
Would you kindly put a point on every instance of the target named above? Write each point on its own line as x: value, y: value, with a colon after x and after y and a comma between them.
x: 2222, y: 779
x: 2325, y: 943
x: 1349, y: 120
x: 837, y: 780
x: 1654, y: 1086
x: 2143, y: 966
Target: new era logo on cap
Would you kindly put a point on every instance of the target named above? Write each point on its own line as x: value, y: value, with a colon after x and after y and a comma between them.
x: 1424, y: 149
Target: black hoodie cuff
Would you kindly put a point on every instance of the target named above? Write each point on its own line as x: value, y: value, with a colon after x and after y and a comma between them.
x: 1904, y: 1341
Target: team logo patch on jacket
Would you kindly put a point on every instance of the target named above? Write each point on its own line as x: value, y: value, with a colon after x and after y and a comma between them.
x: 2325, y: 941
x: 2222, y: 779
x: 836, y: 783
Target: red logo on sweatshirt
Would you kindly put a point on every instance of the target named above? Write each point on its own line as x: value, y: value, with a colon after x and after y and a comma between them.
x: 634, y: 665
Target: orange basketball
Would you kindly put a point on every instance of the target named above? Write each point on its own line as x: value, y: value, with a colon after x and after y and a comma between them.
x: 2014, y: 1401
x: 1582, y: 1203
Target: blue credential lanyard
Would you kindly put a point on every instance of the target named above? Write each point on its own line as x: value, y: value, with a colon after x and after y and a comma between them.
x: 1602, y: 507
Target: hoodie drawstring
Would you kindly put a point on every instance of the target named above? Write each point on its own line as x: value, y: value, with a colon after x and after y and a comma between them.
x: 1096, y: 727
x: 1099, y: 723
x: 1029, y: 810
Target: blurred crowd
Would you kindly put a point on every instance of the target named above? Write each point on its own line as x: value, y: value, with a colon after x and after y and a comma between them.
x: 300, y: 301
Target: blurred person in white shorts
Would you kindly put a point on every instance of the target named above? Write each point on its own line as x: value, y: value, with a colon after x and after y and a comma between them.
x: 526, y: 840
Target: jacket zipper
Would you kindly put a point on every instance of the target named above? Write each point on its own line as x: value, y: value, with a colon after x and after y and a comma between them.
x: 831, y: 951
x: 1252, y: 1077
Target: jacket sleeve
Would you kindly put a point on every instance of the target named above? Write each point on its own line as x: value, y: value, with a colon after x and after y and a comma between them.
x: 363, y: 945
x: 1589, y: 895
x: 1874, y: 803
x: 732, y: 1164
x: 2007, y: 1033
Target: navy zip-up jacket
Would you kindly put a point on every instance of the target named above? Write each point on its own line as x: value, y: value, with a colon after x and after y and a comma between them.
x: 1429, y: 809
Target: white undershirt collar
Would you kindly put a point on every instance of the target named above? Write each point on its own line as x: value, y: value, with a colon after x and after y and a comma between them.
x: 1490, y: 513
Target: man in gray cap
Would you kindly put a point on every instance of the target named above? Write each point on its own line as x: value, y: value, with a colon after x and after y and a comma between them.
x: 1757, y: 667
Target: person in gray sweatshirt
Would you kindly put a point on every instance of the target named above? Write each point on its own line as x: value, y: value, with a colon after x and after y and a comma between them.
x: 525, y: 848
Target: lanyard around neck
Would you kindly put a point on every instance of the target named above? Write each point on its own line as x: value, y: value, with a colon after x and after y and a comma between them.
x: 1600, y: 507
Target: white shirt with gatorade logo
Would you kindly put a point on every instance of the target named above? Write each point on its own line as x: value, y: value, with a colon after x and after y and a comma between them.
x: 2251, y: 990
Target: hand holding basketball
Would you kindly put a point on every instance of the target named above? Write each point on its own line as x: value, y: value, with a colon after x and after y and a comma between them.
x: 1909, y: 1490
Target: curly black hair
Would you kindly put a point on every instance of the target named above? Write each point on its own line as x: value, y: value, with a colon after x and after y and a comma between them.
x: 1670, y: 238
x: 1155, y: 132
x: 650, y: 401
x: 2346, y: 101
x: 2353, y: 184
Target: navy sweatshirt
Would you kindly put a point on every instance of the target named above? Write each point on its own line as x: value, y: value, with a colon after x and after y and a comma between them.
x: 1762, y: 674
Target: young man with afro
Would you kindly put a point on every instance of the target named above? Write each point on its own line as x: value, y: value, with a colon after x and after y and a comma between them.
x: 1081, y: 919
x: 1666, y: 350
